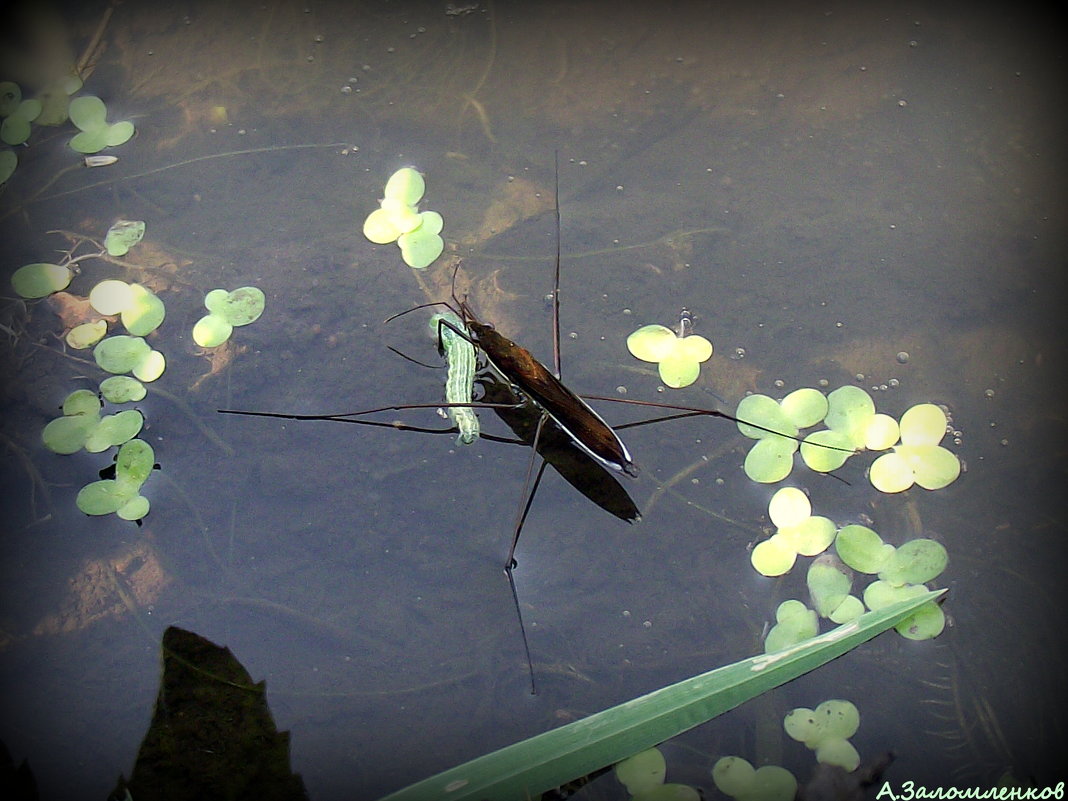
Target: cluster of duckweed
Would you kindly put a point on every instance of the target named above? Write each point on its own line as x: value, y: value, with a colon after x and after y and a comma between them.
x: 82, y: 424
x: 825, y: 730
x: 398, y: 219
x: 853, y: 425
x: 53, y: 106
x: 678, y: 357
x: 901, y: 572
x: 643, y: 775
x: 89, y: 115
x: 737, y: 778
x: 226, y: 311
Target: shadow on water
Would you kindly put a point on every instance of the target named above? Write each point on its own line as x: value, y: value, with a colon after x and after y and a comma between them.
x: 822, y: 189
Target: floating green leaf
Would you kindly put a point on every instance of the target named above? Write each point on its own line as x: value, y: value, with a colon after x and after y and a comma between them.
x: 134, y: 463
x: 862, y: 549
x: 68, y: 434
x: 825, y: 459
x: 525, y: 769
x: 678, y: 358
x: 114, y: 429
x: 134, y: 509
x: 850, y: 410
x: 150, y: 367
x: 735, y: 777
x: 915, y: 562
x: 771, y: 459
x: 111, y: 296
x: 87, y: 334
x: 15, y: 130
x: 103, y: 497
x: 122, y: 389
x: 419, y: 248
x: 123, y: 235
x: 788, y: 507
x: 240, y: 307
x: 795, y: 623
x: 144, y: 313
x: 642, y: 772
x: 774, y: 556
x: 805, y: 407
x: 810, y: 537
x: 40, y: 279
x: 211, y: 331
x: 121, y: 353
x: 826, y: 730
x: 406, y: 185
x: 764, y: 411
x: 89, y: 115
x: 925, y: 624
x: 829, y: 582
x: 81, y: 415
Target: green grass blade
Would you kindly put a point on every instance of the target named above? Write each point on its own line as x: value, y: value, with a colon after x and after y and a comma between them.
x: 525, y: 769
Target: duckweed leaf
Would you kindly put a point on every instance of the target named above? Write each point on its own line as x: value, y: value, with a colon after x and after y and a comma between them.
x: 420, y: 248
x: 862, y: 549
x: 211, y: 331
x: 788, y: 507
x: 915, y: 562
x: 122, y: 389
x: 765, y: 411
x: 406, y: 185
x: 87, y: 334
x: 134, y: 463
x: 652, y: 343
x: 40, y: 279
x: 240, y: 307
x: 925, y: 623
x: 923, y: 424
x: 774, y: 556
x: 81, y: 401
x: 796, y: 623
x: 811, y: 536
x: 933, y: 467
x: 771, y: 459
x: 882, y: 433
x: 114, y: 429
x: 144, y: 313
x: 825, y: 459
x: 88, y: 113
x: 829, y: 582
x: 642, y: 772
x: 850, y: 410
x: 111, y: 296
x: 805, y: 407
x: 733, y: 776
x: 840, y: 752
x: 103, y: 497
x: 150, y: 367
x: 68, y: 434
x: 123, y: 235
x: 134, y: 509
x: 121, y: 353
x: 15, y: 130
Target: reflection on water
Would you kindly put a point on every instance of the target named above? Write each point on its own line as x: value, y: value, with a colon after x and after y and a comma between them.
x: 821, y: 188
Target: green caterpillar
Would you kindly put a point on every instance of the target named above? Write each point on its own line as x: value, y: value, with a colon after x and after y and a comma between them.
x: 460, y: 355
